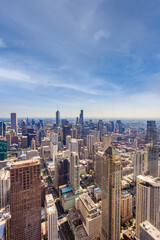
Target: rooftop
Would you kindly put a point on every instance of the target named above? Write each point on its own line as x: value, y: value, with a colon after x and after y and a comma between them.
x: 66, y: 189
x: 111, y: 151
x: 25, y: 163
x: 149, y: 180
x: 87, y: 201
x: 150, y: 229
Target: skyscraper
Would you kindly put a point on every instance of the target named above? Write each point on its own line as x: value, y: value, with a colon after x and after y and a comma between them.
x: 14, y: 121
x: 25, y: 200
x: 51, y: 217
x: 74, y: 171
x: 1, y: 129
x: 81, y: 118
x: 138, y: 163
x: 3, y: 150
x: 66, y: 131
x: 151, y: 132
x: 57, y: 119
x: 147, y: 201
x: 73, y: 146
x: 151, y: 159
x: 111, y: 195
x: 90, y: 142
x: 24, y: 127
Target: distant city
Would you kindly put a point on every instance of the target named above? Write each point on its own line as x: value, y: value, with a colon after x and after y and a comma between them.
x: 79, y: 179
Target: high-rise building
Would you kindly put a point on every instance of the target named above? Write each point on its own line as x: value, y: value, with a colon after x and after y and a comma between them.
x: 1, y: 129
x: 138, y: 163
x: 73, y: 147
x: 8, y: 138
x: 51, y: 218
x: 151, y: 159
x: 81, y: 118
x: 14, y: 121
x: 147, y: 201
x: 90, y: 142
x: 106, y: 142
x: 111, y: 195
x: 74, y: 171
x: 3, y: 150
x: 61, y: 172
x: 119, y: 127
x: 151, y: 132
x: 25, y: 200
x: 58, y: 121
x: 68, y: 139
x: 126, y: 207
x: 4, y: 187
x: 24, y: 127
x: 98, y: 167
x: 66, y: 131
x: 74, y: 133
x: 148, y: 231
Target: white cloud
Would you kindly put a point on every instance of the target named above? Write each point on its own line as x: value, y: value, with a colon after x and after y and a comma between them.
x: 2, y: 43
x: 101, y: 34
x: 15, y: 75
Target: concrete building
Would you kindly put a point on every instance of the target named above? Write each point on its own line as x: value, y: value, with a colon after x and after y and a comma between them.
x: 53, y: 151
x: 8, y: 138
x: 106, y: 142
x: 111, y: 195
x: 147, y: 201
x: 74, y: 172
x: 14, y: 121
x: 25, y: 200
x: 138, y: 163
x: 24, y: 127
x: 148, y: 231
x: 61, y: 172
x: 68, y: 139
x: 90, y: 142
x: 31, y: 153
x: 151, y: 159
x: 54, y: 138
x: 90, y: 215
x: 5, y: 223
x: 74, y: 133
x: 126, y: 207
x: 51, y: 218
x: 151, y: 132
x: 4, y: 187
x: 73, y: 147
x: 24, y: 142
x: 98, y: 168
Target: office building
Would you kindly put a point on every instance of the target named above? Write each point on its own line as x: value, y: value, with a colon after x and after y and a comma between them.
x: 51, y: 218
x: 61, y: 172
x: 66, y: 131
x: 98, y: 167
x: 74, y: 171
x: 54, y: 138
x: 106, y: 142
x: 151, y: 159
x: 14, y: 121
x: 147, y: 201
x: 90, y: 142
x: 148, y: 231
x: 73, y: 146
x: 1, y: 129
x: 111, y: 195
x: 151, y: 132
x: 73, y: 133
x: 25, y: 200
x: 24, y: 127
x: 4, y: 187
x: 81, y: 118
x: 5, y: 222
x: 3, y: 150
x: 126, y: 207
x: 90, y: 215
x: 58, y: 121
x: 119, y: 127
x: 8, y: 138
x: 68, y: 139
x: 24, y: 142
x: 138, y: 163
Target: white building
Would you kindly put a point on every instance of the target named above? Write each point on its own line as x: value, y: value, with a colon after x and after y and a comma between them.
x: 4, y: 187
x: 148, y: 231
x: 73, y: 146
x: 51, y: 218
x: 147, y: 201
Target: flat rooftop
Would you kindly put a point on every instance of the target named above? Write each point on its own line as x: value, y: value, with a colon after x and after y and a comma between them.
x: 87, y: 201
x: 25, y: 163
x: 151, y: 230
x: 50, y: 204
x: 149, y: 180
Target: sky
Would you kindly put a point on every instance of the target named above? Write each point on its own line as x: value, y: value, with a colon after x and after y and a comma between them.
x: 102, y: 56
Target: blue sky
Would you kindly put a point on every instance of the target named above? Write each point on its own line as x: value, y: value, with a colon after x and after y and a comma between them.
x: 97, y: 55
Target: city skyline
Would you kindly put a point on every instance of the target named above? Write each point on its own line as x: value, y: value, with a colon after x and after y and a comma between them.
x: 100, y: 56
